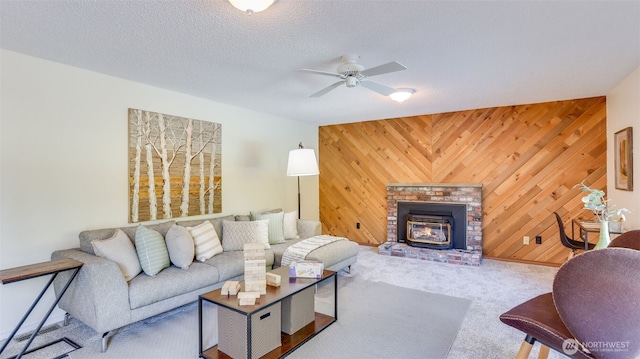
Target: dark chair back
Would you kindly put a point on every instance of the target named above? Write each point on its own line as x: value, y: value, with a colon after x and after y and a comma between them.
x: 596, y: 295
x: 568, y: 241
x: 630, y: 239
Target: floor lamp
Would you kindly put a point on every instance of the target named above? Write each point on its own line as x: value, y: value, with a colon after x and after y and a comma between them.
x: 302, y: 162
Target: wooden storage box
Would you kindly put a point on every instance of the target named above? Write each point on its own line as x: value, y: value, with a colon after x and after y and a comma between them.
x: 298, y: 310
x: 265, y: 332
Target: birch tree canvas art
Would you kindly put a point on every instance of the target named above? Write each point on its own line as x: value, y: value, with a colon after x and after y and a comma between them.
x: 174, y: 166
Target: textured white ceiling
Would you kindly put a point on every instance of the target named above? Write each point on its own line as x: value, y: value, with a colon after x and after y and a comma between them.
x: 460, y: 54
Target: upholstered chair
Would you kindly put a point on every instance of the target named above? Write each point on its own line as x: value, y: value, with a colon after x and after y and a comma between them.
x: 595, y: 301
x: 630, y: 239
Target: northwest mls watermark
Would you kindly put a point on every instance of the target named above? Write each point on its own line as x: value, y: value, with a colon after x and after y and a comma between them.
x: 572, y: 346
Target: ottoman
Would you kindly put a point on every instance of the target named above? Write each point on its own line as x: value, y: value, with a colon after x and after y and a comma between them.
x: 336, y: 255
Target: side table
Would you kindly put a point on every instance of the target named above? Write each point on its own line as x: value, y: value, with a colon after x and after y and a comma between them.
x: 32, y: 271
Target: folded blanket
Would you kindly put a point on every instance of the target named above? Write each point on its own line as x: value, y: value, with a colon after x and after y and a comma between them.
x: 300, y: 250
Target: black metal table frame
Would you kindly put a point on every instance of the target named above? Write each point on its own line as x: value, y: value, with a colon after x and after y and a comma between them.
x: 26, y: 315
x: 249, y: 315
x: 583, y: 232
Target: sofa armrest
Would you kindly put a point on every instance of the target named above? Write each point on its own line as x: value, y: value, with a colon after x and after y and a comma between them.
x: 98, y: 296
x: 309, y: 228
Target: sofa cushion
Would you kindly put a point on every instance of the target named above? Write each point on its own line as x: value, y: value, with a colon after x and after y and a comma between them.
x: 231, y: 264
x: 152, y: 251
x: 180, y: 246
x: 118, y: 248
x: 171, y: 282
x: 206, y: 241
x: 99, y: 234
x: 237, y: 233
x: 276, y: 225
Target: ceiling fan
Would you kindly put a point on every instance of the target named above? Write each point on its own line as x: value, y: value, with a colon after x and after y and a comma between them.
x: 353, y: 74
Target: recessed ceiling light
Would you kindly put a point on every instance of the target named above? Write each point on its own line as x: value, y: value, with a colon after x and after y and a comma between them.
x: 251, y: 6
x: 402, y: 95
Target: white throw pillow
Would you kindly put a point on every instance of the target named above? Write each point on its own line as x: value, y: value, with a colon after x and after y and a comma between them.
x: 206, y: 241
x: 118, y: 248
x: 237, y: 233
x: 152, y: 251
x: 180, y: 246
x: 276, y: 225
x: 291, y: 225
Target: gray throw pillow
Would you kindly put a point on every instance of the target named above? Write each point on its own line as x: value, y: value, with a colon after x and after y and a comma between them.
x: 237, y: 233
x: 180, y: 246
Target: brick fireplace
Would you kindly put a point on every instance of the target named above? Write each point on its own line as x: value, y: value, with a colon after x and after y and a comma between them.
x: 404, y: 200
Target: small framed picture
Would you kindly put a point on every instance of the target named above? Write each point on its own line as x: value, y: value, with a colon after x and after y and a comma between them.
x: 623, y: 159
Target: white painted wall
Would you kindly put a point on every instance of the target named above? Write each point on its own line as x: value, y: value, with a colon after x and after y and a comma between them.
x: 623, y: 110
x: 63, y: 150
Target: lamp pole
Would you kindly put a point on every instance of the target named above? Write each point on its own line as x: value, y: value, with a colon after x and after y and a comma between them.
x: 299, y: 197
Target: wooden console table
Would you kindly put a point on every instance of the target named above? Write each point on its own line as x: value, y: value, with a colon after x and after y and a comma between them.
x: 37, y: 270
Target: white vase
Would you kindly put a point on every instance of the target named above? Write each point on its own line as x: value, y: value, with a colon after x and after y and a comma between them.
x: 605, y: 238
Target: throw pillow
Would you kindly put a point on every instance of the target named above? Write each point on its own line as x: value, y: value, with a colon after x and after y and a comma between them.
x: 276, y: 225
x: 152, y: 251
x: 180, y: 246
x: 290, y: 225
x: 206, y: 241
x: 237, y: 233
x: 118, y: 248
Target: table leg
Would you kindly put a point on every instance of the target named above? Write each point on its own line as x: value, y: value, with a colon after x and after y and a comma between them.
x: 35, y: 332
x: 586, y: 241
x: 53, y: 306
x: 26, y: 315
x: 335, y: 296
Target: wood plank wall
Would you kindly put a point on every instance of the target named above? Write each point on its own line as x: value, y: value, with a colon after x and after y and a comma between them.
x: 527, y: 157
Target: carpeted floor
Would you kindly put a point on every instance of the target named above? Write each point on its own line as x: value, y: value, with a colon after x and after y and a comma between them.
x: 491, y: 289
x: 368, y: 325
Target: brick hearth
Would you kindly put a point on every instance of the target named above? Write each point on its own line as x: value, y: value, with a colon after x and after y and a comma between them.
x: 468, y: 194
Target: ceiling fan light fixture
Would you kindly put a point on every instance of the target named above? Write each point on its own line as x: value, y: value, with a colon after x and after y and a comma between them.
x: 251, y: 6
x: 402, y: 95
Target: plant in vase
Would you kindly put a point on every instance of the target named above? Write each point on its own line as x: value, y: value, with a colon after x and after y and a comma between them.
x: 603, y: 210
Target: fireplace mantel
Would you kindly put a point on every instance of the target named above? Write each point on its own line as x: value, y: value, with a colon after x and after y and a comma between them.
x: 467, y: 194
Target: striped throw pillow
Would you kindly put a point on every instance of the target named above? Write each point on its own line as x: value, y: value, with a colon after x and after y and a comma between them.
x: 206, y: 241
x: 152, y: 251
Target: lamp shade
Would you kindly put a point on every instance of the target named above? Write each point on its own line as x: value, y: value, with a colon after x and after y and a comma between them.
x: 251, y: 6
x: 302, y: 162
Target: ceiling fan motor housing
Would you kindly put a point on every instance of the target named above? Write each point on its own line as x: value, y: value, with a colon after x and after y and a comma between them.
x: 351, y: 81
x: 350, y: 69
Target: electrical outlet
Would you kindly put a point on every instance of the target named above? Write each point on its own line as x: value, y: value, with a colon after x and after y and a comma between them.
x: 525, y: 240
x: 538, y: 239
x: 358, y: 225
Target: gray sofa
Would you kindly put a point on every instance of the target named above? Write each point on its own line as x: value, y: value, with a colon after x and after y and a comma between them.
x: 101, y: 298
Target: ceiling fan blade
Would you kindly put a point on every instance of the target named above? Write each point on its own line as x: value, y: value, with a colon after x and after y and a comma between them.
x: 383, y: 69
x: 327, y: 89
x: 332, y: 74
x: 379, y: 88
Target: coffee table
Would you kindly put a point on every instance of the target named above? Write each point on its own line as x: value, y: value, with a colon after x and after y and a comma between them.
x: 288, y: 287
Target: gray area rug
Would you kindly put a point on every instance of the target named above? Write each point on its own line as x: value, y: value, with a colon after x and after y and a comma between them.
x: 379, y: 320
x: 367, y: 312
